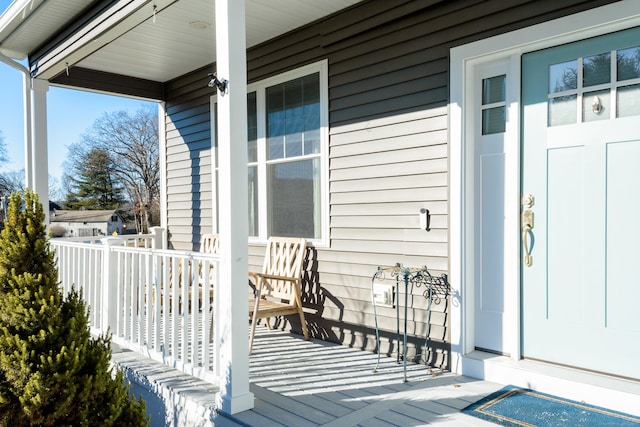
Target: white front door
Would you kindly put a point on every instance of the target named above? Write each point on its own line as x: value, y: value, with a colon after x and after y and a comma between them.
x: 581, y: 163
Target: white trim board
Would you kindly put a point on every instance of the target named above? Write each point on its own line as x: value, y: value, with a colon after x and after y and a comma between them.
x: 463, y: 61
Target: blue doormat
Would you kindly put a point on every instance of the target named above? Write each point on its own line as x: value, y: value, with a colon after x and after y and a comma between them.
x: 514, y: 406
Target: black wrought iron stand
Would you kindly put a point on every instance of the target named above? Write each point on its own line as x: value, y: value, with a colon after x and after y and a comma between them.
x: 435, y: 288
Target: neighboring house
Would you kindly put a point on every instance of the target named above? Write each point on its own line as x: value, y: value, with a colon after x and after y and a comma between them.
x: 359, y: 115
x: 87, y: 223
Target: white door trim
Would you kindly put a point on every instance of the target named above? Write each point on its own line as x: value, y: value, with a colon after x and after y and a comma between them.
x: 617, y: 16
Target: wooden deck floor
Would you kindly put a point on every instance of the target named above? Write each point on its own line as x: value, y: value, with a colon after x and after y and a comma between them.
x: 297, y: 383
x: 307, y: 384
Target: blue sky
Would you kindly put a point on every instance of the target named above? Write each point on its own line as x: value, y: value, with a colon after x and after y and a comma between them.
x: 69, y: 114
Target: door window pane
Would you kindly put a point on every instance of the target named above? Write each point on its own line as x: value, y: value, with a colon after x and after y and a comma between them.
x: 493, y: 120
x: 493, y: 90
x: 563, y: 76
x: 562, y: 110
x: 628, y: 102
x: 596, y: 69
x: 493, y: 116
x: 628, y: 61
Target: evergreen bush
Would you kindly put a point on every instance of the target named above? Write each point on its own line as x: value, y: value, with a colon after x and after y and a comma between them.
x: 52, y: 372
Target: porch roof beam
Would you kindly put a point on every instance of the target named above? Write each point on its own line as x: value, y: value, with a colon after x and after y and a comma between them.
x: 101, y: 81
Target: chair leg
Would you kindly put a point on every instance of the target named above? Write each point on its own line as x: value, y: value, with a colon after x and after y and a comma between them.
x: 211, y: 322
x: 254, y: 320
x: 303, y: 322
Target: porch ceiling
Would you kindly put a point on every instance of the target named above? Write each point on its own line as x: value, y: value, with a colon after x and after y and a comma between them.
x: 129, y: 40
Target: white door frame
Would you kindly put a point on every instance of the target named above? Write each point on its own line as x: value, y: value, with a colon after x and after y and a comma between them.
x: 617, y: 16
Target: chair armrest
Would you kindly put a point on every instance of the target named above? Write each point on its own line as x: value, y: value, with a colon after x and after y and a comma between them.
x: 253, y: 276
x: 275, y: 277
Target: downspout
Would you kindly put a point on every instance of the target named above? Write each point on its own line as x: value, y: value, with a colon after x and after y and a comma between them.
x: 28, y: 149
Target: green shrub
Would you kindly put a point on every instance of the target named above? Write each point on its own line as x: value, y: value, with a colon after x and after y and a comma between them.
x: 52, y: 372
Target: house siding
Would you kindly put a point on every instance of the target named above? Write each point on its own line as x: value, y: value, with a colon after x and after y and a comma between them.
x: 388, y: 152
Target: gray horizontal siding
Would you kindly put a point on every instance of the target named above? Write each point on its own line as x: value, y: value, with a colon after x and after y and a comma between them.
x: 188, y: 147
x: 388, y: 97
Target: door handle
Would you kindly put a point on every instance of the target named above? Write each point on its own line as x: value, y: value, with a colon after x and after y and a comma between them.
x: 527, y: 227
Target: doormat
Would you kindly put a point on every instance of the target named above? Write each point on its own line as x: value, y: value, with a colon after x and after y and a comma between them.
x: 514, y: 406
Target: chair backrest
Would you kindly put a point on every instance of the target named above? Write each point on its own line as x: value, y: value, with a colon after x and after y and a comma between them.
x: 210, y: 244
x: 284, y: 256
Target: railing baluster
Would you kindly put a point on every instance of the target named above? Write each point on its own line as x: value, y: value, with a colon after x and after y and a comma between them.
x: 135, y: 303
x: 140, y: 289
x: 195, y: 310
x: 184, y: 300
x: 126, y: 291
x: 166, y: 266
x: 154, y: 300
x: 175, y: 281
x: 206, y: 273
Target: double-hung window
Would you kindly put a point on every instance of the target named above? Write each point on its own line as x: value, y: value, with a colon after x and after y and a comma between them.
x: 287, y: 154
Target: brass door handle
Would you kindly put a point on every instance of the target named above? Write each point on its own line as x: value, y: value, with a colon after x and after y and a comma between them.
x: 528, y: 258
x: 527, y: 227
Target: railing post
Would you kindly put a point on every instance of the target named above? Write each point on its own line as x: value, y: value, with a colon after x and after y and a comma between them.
x: 109, y: 283
x: 159, y: 238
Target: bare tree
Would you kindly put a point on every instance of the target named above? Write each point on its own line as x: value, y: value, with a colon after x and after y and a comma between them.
x: 11, y: 181
x: 3, y: 150
x: 132, y: 142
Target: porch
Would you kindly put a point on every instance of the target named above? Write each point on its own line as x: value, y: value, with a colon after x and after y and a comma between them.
x: 166, y: 335
x: 309, y: 383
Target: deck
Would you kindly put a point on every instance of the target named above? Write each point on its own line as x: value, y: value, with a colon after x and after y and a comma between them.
x: 308, y: 384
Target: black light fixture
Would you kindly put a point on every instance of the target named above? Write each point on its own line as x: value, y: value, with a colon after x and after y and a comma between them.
x: 221, y: 85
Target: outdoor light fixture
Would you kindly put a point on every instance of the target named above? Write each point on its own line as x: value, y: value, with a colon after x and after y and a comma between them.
x: 222, y: 85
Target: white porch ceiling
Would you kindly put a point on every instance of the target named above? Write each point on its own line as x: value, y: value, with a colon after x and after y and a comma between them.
x: 181, y: 39
x: 34, y: 23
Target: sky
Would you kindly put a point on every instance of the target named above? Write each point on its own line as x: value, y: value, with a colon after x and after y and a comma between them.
x: 69, y: 114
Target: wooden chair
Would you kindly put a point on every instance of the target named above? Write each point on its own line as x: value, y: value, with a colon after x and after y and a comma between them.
x: 210, y: 243
x: 279, y: 285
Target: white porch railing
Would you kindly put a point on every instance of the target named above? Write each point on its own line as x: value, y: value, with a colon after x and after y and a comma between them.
x: 152, y: 300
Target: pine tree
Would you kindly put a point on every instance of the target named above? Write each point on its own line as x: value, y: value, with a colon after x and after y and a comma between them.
x: 52, y: 372
x: 95, y: 186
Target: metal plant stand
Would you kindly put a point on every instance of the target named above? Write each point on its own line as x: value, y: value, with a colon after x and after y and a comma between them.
x: 435, y: 289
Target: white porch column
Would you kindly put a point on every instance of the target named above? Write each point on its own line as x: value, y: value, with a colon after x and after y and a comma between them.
x: 38, y: 163
x: 233, y: 329
x: 26, y: 87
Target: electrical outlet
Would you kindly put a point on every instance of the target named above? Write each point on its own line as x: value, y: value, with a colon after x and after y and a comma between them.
x: 383, y: 294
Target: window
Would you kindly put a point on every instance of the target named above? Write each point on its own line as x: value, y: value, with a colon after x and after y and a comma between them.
x: 582, y: 89
x: 493, y: 105
x: 287, y: 154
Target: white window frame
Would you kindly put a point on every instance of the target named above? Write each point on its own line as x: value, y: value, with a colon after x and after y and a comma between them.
x: 462, y: 118
x: 322, y: 68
